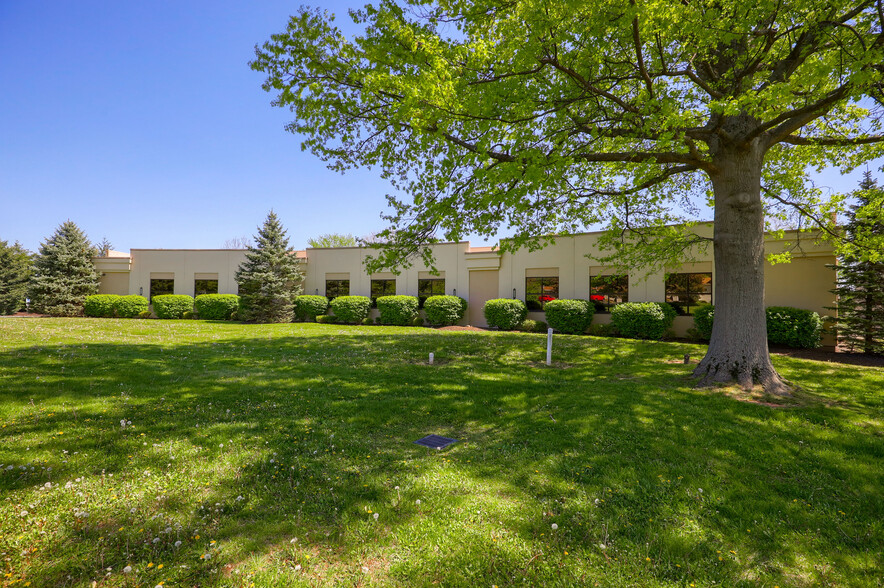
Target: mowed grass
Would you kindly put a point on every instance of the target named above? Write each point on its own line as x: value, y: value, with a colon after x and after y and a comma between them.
x: 283, y: 455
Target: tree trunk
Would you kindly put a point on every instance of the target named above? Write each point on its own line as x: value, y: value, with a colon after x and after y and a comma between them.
x: 738, y: 347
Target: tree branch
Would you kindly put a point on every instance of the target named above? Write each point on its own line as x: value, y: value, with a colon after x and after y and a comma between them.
x: 638, y: 52
x: 836, y: 141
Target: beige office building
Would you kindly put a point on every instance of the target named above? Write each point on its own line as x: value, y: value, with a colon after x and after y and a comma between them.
x: 561, y: 270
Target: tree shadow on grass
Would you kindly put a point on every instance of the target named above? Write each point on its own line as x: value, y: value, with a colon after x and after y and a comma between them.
x: 251, y: 442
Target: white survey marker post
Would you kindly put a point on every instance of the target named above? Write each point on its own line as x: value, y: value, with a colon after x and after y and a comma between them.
x: 431, y: 358
x: 549, y: 347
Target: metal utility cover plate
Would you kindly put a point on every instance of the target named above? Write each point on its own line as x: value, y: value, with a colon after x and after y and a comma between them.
x: 435, y: 442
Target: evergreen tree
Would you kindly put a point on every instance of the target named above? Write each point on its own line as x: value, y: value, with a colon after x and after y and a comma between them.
x: 15, y: 270
x: 63, y: 273
x: 270, y: 277
x: 859, y: 283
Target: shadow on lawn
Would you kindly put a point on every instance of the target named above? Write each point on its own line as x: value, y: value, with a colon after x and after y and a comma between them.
x: 616, y: 449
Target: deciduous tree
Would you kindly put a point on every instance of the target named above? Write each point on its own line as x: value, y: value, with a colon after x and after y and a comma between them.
x: 270, y: 277
x: 63, y: 273
x: 554, y: 115
x: 333, y: 240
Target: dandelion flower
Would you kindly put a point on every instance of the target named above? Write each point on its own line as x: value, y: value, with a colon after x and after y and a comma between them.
x: 554, y: 526
x: 376, y: 515
x: 418, y: 502
x: 127, y: 570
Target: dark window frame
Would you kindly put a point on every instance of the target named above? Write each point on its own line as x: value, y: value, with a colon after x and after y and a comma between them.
x: 427, y: 287
x: 197, y: 291
x: 155, y: 285
x: 536, y: 297
x: 332, y: 286
x: 610, y: 296
x: 382, y: 290
x: 681, y: 285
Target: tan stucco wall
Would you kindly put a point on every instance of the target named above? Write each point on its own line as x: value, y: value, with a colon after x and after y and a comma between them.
x: 349, y: 261
x: 114, y: 283
x: 184, y: 264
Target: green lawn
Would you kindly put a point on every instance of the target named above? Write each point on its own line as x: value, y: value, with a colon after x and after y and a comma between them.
x: 280, y: 455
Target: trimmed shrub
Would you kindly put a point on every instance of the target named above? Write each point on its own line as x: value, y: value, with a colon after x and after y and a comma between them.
x: 532, y: 326
x: 326, y: 319
x: 505, y: 313
x: 642, y: 320
x: 794, y: 327
x: 172, y: 306
x: 442, y: 311
x: 418, y: 322
x: 351, y: 309
x: 131, y: 306
x: 216, y: 307
x: 569, y: 316
x: 308, y: 307
x: 397, y: 310
x: 101, y: 305
x: 703, y: 321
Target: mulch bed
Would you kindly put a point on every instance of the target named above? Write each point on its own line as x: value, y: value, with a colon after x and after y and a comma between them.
x: 842, y: 356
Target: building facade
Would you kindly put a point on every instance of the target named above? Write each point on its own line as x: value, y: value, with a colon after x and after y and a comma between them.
x: 564, y: 269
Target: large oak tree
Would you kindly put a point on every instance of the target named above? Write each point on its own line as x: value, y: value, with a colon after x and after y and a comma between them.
x: 549, y: 116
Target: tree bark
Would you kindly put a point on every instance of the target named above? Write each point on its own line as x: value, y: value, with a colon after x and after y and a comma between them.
x: 738, y: 347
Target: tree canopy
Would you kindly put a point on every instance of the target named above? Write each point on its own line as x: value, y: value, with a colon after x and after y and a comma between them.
x: 270, y: 277
x: 15, y: 270
x: 859, y: 287
x: 333, y: 240
x: 63, y: 274
x: 548, y: 117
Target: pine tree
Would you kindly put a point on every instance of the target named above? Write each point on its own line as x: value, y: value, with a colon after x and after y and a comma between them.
x: 270, y: 277
x: 63, y: 273
x: 859, y: 283
x: 15, y: 270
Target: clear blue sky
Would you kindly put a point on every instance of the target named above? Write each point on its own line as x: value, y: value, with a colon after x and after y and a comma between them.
x: 142, y: 123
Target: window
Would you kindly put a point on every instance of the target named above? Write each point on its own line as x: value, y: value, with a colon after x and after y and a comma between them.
x: 205, y: 287
x: 161, y: 286
x: 335, y: 288
x: 539, y: 291
x: 687, y: 292
x: 381, y: 288
x: 429, y: 287
x: 608, y: 291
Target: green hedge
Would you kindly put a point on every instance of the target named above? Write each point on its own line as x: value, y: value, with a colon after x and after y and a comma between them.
x: 442, y: 311
x: 642, y: 320
x: 101, y: 305
x: 505, y: 313
x: 326, y: 319
x: 569, y: 316
x: 351, y: 309
x: 130, y: 306
x: 172, y: 306
x: 308, y: 307
x: 216, y: 307
x: 786, y: 325
x: 703, y: 320
x: 397, y: 310
x: 794, y: 327
x: 532, y: 326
